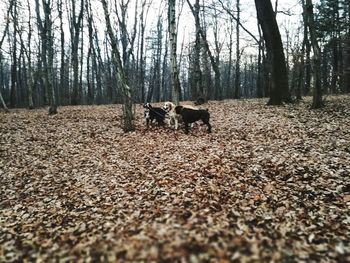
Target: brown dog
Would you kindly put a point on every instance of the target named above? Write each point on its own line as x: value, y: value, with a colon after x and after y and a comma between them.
x: 174, y: 118
x: 169, y: 107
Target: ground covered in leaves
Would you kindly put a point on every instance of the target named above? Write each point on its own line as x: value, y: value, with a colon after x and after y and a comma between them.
x: 269, y: 184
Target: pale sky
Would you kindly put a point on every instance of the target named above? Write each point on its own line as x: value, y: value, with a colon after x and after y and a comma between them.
x: 186, y: 22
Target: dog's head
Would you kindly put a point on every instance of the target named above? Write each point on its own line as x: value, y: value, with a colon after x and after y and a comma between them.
x: 147, y: 107
x: 178, y: 109
x: 169, y: 106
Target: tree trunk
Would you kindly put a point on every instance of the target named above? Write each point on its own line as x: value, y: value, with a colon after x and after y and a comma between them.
x: 63, y: 97
x: 214, y: 63
x: 46, y: 36
x: 50, y: 53
x: 14, y: 81
x: 347, y: 56
x: 237, y: 92
x: 306, y: 50
x: 175, y: 91
x: 279, y: 87
x: 346, y: 78
x: 3, y: 102
x: 317, y: 89
x: 75, y: 28
x: 128, y: 117
x: 90, y: 57
x: 196, y: 85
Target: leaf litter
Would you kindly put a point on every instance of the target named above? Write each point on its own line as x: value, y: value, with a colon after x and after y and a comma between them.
x: 269, y: 184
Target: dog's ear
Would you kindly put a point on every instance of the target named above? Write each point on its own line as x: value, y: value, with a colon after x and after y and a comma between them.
x: 178, y: 109
x: 147, y: 105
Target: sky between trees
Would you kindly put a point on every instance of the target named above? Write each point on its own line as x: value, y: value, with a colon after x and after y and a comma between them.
x: 289, y: 18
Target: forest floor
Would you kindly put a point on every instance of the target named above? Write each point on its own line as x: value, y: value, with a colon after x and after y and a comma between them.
x: 268, y: 184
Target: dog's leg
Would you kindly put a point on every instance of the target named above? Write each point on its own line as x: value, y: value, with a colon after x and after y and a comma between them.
x: 186, y: 127
x: 176, y: 123
x: 169, y: 122
x: 209, y: 127
x: 206, y: 121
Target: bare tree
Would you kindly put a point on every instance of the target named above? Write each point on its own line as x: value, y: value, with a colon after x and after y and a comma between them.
x: 26, y: 47
x: 46, y: 36
x: 347, y: 57
x: 317, y: 89
x: 14, y: 80
x: 197, y: 85
x: 128, y: 117
x: 173, y: 56
x: 141, y: 50
x: 279, y: 87
x: 238, y: 54
x: 75, y: 30
x: 1, y: 42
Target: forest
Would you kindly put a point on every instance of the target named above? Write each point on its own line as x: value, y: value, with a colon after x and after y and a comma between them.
x: 85, y: 178
x: 61, y: 52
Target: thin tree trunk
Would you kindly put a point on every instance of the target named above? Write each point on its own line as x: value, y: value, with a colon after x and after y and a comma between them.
x: 128, y: 117
x: 3, y: 102
x: 306, y: 53
x: 46, y: 36
x: 347, y: 55
x: 197, y: 89
x: 49, y: 68
x: 317, y: 89
x: 76, y: 25
x: 238, y: 54
x: 175, y: 94
x: 14, y: 80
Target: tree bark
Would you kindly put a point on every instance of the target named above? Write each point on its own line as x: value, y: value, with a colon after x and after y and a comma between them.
x: 3, y: 102
x: 238, y: 55
x: 128, y: 117
x: 175, y: 84
x: 75, y: 28
x: 14, y: 80
x: 46, y: 36
x: 279, y: 92
x: 317, y: 89
x: 197, y: 84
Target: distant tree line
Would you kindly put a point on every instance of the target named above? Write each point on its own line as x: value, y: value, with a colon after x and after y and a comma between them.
x: 63, y: 52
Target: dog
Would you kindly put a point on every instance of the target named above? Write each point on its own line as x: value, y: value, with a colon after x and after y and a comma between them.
x: 192, y: 115
x: 199, y: 101
x: 154, y: 113
x: 174, y: 118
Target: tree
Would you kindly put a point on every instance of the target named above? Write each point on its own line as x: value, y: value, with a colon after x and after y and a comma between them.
x: 317, y: 89
x: 75, y: 29
x: 347, y: 56
x: 175, y: 84
x: 14, y: 80
x: 214, y: 60
x: 128, y: 117
x: 239, y: 25
x: 28, y: 55
x: 46, y: 36
x: 196, y: 84
x: 1, y: 56
x: 279, y: 92
x: 238, y: 54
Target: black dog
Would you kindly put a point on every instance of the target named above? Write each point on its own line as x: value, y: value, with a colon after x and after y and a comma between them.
x: 191, y: 115
x: 154, y: 113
